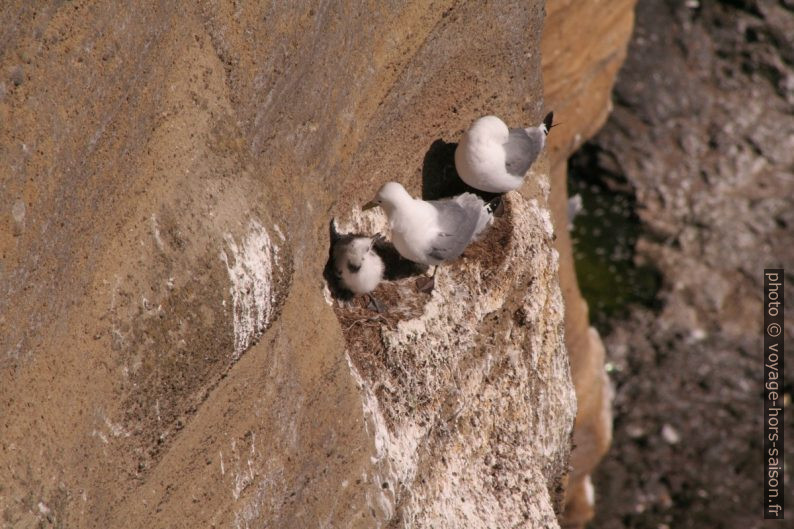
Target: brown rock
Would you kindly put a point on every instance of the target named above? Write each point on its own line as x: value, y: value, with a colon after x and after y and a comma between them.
x: 180, y: 165
x: 584, y: 44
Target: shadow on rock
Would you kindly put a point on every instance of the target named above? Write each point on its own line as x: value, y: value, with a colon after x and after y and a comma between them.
x: 440, y: 178
x: 396, y: 266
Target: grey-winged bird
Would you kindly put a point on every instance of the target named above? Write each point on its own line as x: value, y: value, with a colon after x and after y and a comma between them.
x: 432, y: 232
x: 494, y: 158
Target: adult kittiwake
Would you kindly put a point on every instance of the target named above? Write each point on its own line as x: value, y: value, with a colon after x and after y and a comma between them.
x: 432, y: 232
x: 493, y: 158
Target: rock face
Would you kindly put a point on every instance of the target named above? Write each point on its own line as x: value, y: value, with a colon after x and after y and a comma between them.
x: 463, y: 429
x: 167, y: 355
x: 704, y: 135
x: 583, y: 45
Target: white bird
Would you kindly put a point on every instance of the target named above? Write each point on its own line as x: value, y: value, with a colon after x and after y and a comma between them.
x: 493, y: 158
x: 356, y: 264
x: 432, y: 232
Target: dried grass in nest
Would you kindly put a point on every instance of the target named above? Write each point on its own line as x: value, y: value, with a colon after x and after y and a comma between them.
x: 361, y: 326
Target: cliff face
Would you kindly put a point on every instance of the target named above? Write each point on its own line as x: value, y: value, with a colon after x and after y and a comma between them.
x: 168, y: 355
x: 584, y: 45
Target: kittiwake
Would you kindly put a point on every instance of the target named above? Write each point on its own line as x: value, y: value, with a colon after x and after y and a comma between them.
x: 432, y: 232
x: 355, y: 264
x: 493, y: 158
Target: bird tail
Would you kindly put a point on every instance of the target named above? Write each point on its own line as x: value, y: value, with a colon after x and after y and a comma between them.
x: 547, y: 123
x: 376, y: 239
x: 494, y: 206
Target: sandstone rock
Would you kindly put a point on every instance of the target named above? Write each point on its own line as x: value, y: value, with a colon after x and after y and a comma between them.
x: 167, y: 357
x: 584, y: 45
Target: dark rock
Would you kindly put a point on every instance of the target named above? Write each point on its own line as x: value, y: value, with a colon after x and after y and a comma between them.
x: 704, y: 133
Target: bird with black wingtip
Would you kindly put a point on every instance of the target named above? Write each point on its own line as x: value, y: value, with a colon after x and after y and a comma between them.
x: 432, y: 232
x: 494, y: 158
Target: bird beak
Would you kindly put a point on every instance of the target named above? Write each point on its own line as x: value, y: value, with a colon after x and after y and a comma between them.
x: 369, y: 205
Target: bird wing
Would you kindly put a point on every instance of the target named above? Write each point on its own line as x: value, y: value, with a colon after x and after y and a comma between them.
x: 521, y: 149
x: 456, y: 229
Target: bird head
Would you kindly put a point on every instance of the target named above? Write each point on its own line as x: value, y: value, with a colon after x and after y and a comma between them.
x: 388, y: 196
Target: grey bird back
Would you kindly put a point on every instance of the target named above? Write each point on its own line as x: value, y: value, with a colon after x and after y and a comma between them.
x: 522, y: 148
x: 457, y: 225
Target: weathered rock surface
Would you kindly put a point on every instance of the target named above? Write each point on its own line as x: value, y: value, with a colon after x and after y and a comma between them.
x: 463, y: 429
x: 703, y: 132
x: 168, y: 358
x: 584, y: 45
